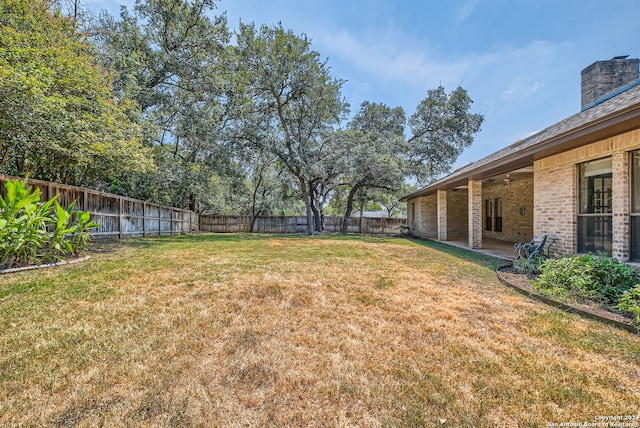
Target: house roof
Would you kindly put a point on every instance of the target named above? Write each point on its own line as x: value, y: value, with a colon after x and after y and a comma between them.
x: 611, y: 116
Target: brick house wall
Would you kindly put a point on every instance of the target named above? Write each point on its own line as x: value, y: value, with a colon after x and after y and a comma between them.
x: 556, y: 192
x: 457, y: 213
x: 425, y: 222
x: 517, y: 209
x: 422, y: 216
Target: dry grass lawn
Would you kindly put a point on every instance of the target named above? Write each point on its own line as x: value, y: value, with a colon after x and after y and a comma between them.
x: 240, y: 330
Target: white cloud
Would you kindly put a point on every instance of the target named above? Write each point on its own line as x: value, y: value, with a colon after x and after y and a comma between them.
x: 420, y: 63
x: 508, y: 93
x: 466, y: 10
x: 393, y: 61
x: 520, y: 89
x: 534, y: 87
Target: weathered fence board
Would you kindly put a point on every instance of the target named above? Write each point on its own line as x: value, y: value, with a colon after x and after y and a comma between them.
x: 297, y: 224
x: 118, y: 216
x: 123, y: 217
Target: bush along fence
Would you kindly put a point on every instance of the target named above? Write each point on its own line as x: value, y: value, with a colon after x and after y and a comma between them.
x: 32, y: 232
x: 118, y: 216
x: 298, y: 224
x: 123, y: 217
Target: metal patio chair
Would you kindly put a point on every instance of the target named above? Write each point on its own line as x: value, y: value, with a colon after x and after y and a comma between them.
x: 531, y: 249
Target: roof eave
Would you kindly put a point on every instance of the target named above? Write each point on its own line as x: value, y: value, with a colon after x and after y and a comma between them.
x: 616, y: 123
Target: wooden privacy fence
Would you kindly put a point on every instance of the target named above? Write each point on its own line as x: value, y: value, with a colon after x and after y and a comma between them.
x: 118, y: 216
x: 298, y: 224
x: 123, y: 217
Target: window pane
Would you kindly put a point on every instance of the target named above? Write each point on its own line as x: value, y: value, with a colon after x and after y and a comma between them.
x: 595, y: 187
x: 635, y: 206
x: 635, y: 182
x: 487, y: 215
x: 497, y: 203
x: 594, y: 234
x: 635, y: 238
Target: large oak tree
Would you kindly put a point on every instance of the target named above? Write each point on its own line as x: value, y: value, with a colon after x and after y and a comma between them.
x: 295, y: 101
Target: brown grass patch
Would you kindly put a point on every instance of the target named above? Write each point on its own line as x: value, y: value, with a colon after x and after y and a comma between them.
x: 230, y: 330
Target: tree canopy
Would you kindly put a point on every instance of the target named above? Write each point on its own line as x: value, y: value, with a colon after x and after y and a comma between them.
x: 166, y: 103
x: 59, y: 119
x: 293, y: 97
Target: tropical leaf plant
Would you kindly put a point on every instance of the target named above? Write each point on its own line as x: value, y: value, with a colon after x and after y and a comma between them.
x: 32, y: 231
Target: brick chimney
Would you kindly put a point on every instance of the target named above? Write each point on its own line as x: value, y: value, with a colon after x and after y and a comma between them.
x: 603, y: 78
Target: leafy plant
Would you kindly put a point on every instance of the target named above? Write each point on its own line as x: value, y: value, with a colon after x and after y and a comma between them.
x: 630, y: 301
x: 529, y: 267
x: 23, y: 228
x: 587, y: 277
x: 32, y: 231
x: 83, y: 224
x: 59, y: 245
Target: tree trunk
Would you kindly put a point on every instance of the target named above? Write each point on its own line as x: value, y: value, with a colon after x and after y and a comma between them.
x: 310, y: 217
x: 255, y: 212
x: 307, y: 204
x: 316, y: 207
x: 317, y: 222
x: 253, y: 223
x: 347, y: 214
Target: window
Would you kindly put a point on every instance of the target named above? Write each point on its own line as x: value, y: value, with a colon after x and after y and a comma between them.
x: 488, y: 218
x: 594, y: 215
x: 493, y: 215
x: 497, y: 204
x: 635, y: 206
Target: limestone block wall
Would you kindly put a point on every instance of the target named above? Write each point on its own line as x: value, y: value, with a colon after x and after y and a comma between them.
x: 556, y: 194
x: 517, y: 209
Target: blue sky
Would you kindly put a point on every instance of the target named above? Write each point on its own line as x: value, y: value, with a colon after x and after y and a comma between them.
x: 519, y: 60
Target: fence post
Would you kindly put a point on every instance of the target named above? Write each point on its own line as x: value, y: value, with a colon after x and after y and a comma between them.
x: 144, y: 219
x: 120, y: 209
x: 85, y: 200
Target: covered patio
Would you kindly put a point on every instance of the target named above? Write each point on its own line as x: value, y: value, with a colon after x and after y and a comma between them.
x: 489, y: 213
x: 493, y: 247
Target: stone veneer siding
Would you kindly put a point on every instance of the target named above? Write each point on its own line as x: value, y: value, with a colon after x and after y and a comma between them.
x: 556, y: 195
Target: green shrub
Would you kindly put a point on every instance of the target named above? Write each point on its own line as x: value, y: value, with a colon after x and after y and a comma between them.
x: 586, y: 277
x: 529, y: 267
x: 34, y: 232
x: 630, y: 301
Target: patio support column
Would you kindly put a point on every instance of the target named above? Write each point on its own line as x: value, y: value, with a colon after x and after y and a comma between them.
x: 620, y: 187
x: 442, y: 215
x: 475, y: 213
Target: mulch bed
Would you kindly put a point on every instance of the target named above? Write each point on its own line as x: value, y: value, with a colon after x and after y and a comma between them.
x: 511, y: 277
